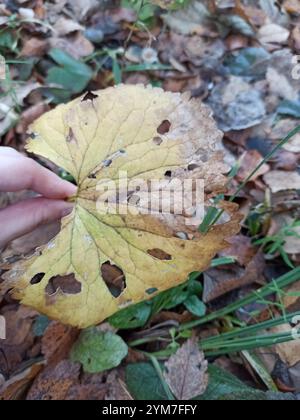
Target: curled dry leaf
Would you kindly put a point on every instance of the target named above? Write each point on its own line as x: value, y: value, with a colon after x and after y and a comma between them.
x: 149, y: 134
x: 186, y: 371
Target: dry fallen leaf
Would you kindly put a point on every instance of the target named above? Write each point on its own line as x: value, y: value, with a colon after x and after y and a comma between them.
x: 189, y: 20
x: 248, y: 162
x: 101, y: 263
x: 278, y: 132
x: 273, y: 33
x: 282, y: 180
x: 16, y: 386
x: 64, y: 26
x: 291, y: 299
x: 75, y: 44
x: 19, y: 338
x: 289, y: 352
x: 8, y: 115
x: 186, y: 371
x: 116, y: 388
x: 292, y: 6
x: 34, y: 47
x: 54, y: 382
x: 57, y: 342
x: 219, y: 281
x: 280, y: 85
x: 292, y: 242
x: 82, y: 8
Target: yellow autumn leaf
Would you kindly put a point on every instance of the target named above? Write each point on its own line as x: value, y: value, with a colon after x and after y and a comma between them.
x: 100, y: 263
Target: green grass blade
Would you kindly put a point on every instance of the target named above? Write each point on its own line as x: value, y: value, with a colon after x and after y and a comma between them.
x: 266, y: 159
x: 265, y: 291
x: 241, y: 332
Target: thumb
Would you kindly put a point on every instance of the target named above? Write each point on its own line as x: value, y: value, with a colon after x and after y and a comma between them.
x: 22, y: 218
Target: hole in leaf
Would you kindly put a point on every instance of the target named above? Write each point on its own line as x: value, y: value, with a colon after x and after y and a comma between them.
x: 158, y: 141
x: 71, y: 137
x: 168, y: 174
x: 192, y: 167
x: 67, y: 284
x: 37, y: 278
x: 114, y: 278
x: 159, y: 254
x: 164, y: 127
x: 151, y: 290
x: 90, y: 96
x: 134, y: 200
x: 107, y: 163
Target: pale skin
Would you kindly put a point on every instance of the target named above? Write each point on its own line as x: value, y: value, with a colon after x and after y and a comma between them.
x: 18, y: 173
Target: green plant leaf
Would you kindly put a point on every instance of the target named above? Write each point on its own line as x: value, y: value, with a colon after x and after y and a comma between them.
x: 117, y: 72
x: 253, y: 395
x: 145, y: 10
x: 289, y: 108
x: 72, y: 75
x: 194, y: 305
x: 98, y: 351
x: 221, y: 383
x: 8, y: 41
x: 144, y: 383
x: 225, y: 386
x: 133, y: 317
x: 170, y: 299
x: 209, y: 218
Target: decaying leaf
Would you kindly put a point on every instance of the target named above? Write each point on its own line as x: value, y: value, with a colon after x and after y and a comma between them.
x: 288, y: 352
x: 100, y: 263
x: 186, y: 371
x: 189, y: 20
x: 54, y: 383
x: 16, y: 387
x: 8, y: 115
x: 282, y: 180
x: 237, y: 104
x: 273, y: 34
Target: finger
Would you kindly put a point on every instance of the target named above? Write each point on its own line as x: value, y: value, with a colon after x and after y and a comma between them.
x: 9, y: 151
x: 48, y: 183
x: 21, y: 173
x: 22, y: 218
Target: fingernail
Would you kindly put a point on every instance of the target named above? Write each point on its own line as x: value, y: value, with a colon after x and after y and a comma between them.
x: 70, y: 189
x: 67, y: 210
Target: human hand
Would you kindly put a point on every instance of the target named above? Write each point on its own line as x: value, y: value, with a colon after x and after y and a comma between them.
x: 18, y: 173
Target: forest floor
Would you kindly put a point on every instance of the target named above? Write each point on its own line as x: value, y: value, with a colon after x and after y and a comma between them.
x: 242, y: 58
